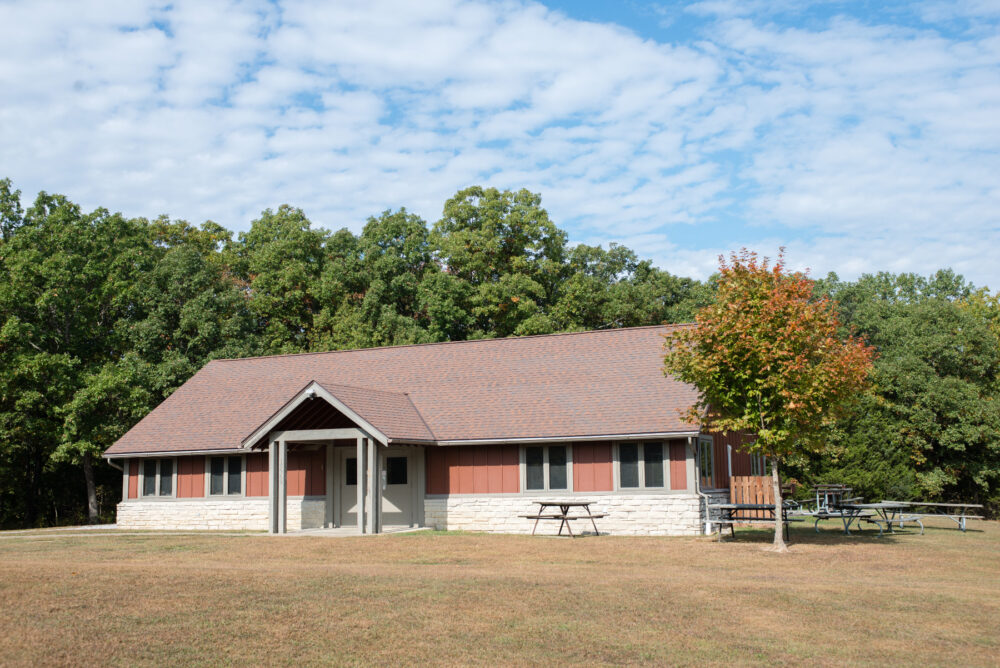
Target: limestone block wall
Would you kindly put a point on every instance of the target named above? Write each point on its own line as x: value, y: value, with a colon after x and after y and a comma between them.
x: 677, y: 514
x: 235, y: 513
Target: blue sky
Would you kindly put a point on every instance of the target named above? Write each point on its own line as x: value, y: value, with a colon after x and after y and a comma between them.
x: 862, y: 136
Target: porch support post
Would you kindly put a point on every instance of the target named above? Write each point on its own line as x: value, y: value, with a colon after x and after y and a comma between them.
x: 375, y: 487
x: 272, y: 487
x: 361, y: 484
x: 282, y: 486
x: 330, y: 521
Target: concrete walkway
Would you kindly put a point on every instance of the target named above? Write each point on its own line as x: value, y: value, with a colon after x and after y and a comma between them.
x: 112, y: 530
x: 341, y: 532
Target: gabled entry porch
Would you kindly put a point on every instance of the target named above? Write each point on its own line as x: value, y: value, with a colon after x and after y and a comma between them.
x: 345, y: 473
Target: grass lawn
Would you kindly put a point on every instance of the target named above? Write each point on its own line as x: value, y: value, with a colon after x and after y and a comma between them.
x: 490, y: 599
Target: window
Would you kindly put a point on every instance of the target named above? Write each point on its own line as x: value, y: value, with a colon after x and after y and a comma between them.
x: 395, y: 470
x: 225, y: 476
x: 628, y: 465
x: 546, y: 467
x: 217, y: 473
x: 650, y: 474
x: 652, y: 460
x: 158, y: 477
x: 758, y: 465
x: 235, y: 475
x: 706, y: 461
x: 351, y: 471
x: 149, y: 477
x: 166, y: 477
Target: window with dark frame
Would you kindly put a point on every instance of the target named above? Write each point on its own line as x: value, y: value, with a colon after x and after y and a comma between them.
x: 234, y: 475
x: 706, y: 456
x: 217, y: 473
x: 395, y: 470
x: 534, y: 468
x: 652, y: 461
x: 166, y: 477
x: 557, y: 467
x: 225, y: 476
x: 158, y: 477
x: 641, y: 465
x: 149, y: 477
x: 546, y: 467
x: 628, y: 465
x: 351, y: 471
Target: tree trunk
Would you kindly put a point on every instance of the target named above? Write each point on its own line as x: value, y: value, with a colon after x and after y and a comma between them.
x: 779, y: 527
x: 88, y: 474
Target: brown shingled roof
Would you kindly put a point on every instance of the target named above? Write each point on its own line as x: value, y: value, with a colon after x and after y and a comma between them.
x: 599, y: 383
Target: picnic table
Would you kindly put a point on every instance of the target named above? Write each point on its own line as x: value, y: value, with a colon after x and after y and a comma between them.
x: 883, y: 514
x: 563, y: 515
x: 748, y: 513
x: 956, y: 512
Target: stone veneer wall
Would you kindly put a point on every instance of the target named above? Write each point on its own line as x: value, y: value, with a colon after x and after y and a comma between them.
x: 236, y: 513
x: 627, y: 514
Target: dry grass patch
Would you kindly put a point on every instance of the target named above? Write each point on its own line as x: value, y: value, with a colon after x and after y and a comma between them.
x: 488, y: 599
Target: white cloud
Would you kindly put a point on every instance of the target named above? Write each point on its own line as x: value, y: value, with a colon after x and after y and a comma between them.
x: 861, y: 146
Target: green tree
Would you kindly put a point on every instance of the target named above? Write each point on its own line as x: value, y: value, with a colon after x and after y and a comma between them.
x: 279, y: 262
x: 767, y: 357
x: 502, y: 245
x: 931, y: 429
x: 68, y: 281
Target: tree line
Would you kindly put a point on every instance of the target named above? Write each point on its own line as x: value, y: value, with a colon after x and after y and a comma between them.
x: 102, y: 316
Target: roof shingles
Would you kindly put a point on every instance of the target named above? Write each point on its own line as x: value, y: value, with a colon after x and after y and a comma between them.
x: 606, y: 382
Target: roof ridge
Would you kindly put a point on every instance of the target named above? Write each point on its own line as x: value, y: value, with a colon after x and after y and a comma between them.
x: 351, y: 387
x: 445, y: 343
x: 421, y: 416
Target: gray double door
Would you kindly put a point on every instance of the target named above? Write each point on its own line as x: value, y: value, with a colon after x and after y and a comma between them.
x: 398, y: 486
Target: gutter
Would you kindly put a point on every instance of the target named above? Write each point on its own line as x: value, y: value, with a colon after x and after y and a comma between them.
x: 115, y: 466
x: 173, y: 453
x: 561, y: 439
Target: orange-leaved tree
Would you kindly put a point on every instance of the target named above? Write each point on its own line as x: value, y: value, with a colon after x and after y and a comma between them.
x: 767, y: 358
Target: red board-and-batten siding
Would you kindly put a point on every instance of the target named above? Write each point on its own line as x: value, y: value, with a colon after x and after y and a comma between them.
x: 303, y: 473
x: 450, y: 470
x: 190, y: 477
x: 592, y: 467
x: 473, y: 470
x: 133, y: 479
x: 257, y: 474
x: 496, y: 469
x: 740, y: 459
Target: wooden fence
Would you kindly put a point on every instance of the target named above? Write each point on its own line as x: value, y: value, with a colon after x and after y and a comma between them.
x: 752, y: 489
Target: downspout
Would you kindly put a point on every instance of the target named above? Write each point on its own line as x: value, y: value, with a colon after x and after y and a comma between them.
x: 113, y: 465
x: 697, y: 483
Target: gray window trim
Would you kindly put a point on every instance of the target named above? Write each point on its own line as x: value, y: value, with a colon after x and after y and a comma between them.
x: 545, y: 467
x: 703, y: 441
x: 641, y: 463
x: 225, y: 475
x: 140, y: 492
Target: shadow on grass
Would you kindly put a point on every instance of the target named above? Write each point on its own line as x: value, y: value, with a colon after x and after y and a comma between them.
x: 829, y: 533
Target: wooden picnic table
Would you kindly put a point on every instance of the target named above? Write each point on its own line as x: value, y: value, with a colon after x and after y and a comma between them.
x: 563, y: 516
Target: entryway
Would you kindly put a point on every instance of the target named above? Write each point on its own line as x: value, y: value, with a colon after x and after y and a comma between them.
x: 399, y: 472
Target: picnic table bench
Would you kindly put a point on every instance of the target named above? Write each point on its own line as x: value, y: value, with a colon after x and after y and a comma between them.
x: 563, y: 516
x: 956, y: 512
